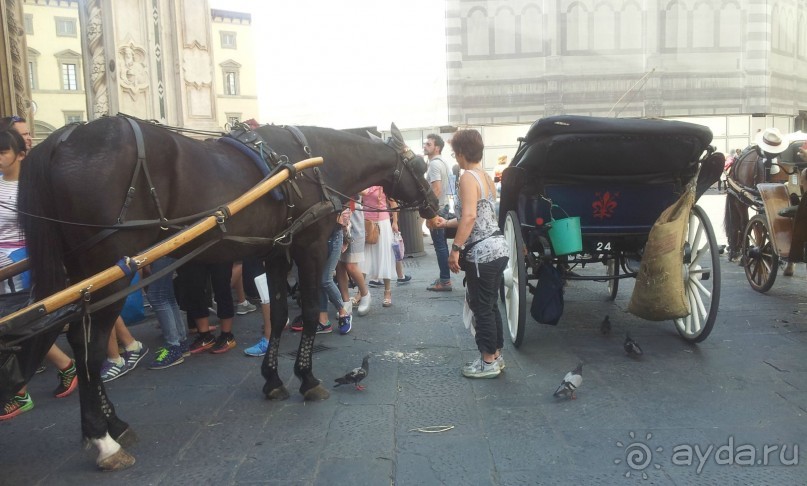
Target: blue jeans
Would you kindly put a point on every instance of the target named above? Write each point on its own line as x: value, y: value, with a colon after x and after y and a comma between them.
x: 162, y: 300
x: 328, y: 290
x: 441, y: 249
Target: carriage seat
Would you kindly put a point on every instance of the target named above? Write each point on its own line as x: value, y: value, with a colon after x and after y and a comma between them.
x: 592, y: 147
x: 776, y: 199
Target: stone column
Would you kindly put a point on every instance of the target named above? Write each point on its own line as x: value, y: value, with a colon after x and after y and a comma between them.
x: 15, y: 91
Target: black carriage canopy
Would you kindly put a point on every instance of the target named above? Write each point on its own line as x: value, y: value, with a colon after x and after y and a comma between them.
x: 575, y: 145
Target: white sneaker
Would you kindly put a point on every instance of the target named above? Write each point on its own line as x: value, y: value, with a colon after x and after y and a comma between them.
x: 364, y: 304
x: 480, y: 369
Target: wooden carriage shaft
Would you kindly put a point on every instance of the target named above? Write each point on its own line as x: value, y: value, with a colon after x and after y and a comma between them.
x: 115, y: 273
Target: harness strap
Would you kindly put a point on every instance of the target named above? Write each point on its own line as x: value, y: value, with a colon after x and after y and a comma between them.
x: 300, y: 137
x: 141, y: 165
x: 310, y: 216
x: 141, y: 158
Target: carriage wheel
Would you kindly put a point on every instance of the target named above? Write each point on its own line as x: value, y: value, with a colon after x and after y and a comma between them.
x: 759, y: 258
x: 613, y: 271
x: 701, y: 278
x: 515, y: 279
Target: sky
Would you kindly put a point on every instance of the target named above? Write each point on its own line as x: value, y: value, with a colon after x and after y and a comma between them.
x: 349, y: 63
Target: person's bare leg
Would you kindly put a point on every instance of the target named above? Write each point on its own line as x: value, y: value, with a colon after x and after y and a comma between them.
x: 112, y: 351
x: 399, y: 270
x: 123, y: 334
x: 237, y: 283
x: 58, y: 358
x: 266, y: 313
x: 226, y: 325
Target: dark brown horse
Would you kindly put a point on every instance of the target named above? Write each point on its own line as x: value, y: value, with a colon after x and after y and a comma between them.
x: 86, y: 178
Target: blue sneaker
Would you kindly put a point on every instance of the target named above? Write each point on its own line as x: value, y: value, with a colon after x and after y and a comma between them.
x: 133, y: 357
x: 111, y: 371
x: 345, y: 324
x: 167, y: 357
x: 376, y: 283
x: 259, y: 349
x: 185, y: 347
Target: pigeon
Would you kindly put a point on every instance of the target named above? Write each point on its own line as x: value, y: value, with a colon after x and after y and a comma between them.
x: 571, y: 382
x: 605, y: 326
x: 355, y: 375
x: 632, y: 347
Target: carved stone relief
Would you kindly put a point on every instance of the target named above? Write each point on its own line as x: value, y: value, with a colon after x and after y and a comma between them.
x: 133, y: 72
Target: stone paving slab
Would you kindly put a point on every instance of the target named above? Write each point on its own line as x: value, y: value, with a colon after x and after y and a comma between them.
x: 207, y: 422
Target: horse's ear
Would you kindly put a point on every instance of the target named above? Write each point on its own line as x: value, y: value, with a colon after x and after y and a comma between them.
x: 396, y: 133
x: 374, y: 137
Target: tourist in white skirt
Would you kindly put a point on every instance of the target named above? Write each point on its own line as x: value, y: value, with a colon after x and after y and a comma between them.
x: 379, y: 259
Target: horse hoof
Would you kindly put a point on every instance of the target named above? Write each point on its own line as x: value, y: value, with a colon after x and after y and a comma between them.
x: 317, y: 393
x: 127, y: 438
x: 279, y: 393
x: 117, y: 461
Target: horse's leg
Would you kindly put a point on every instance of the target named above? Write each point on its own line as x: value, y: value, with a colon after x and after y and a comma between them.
x: 100, y: 425
x: 310, y: 261
x: 277, y: 268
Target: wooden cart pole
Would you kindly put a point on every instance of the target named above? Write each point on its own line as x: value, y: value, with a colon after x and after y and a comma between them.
x: 115, y: 273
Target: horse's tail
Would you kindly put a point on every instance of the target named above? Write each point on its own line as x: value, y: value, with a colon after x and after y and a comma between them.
x: 43, y: 239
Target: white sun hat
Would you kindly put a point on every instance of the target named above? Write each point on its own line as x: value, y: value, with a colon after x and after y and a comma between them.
x: 772, y: 141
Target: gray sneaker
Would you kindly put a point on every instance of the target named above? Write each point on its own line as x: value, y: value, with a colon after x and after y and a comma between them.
x: 480, y: 369
x: 244, y: 308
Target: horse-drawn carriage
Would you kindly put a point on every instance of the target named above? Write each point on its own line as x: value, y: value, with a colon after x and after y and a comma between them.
x: 617, y: 176
x: 770, y: 186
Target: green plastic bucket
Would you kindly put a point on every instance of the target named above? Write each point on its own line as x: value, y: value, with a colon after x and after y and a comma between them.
x: 566, y: 236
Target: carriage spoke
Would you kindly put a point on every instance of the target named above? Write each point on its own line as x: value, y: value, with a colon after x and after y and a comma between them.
x: 700, y: 253
x: 696, y: 282
x: 695, y: 241
x: 696, y: 296
x: 694, y: 314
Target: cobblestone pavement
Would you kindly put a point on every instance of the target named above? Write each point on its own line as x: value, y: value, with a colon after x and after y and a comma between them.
x: 678, y: 416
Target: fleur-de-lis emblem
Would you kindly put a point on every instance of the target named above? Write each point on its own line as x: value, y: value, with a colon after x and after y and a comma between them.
x: 604, y: 206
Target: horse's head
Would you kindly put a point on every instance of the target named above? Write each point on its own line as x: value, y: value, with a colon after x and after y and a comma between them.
x: 408, y: 183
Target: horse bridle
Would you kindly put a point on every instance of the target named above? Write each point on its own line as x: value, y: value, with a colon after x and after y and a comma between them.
x: 405, y: 157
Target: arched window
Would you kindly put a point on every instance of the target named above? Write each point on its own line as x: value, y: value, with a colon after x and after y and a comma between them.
x: 504, y: 31
x: 603, y: 34
x: 703, y: 26
x: 675, y: 25
x: 478, y: 33
x: 631, y: 26
x: 576, y: 22
x: 776, y: 29
x: 531, y: 30
x: 731, y: 26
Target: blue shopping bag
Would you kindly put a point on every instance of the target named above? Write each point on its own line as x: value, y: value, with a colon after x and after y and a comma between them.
x: 133, y: 311
x: 19, y: 255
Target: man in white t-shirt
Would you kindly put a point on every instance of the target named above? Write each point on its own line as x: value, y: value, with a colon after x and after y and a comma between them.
x: 438, y: 177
